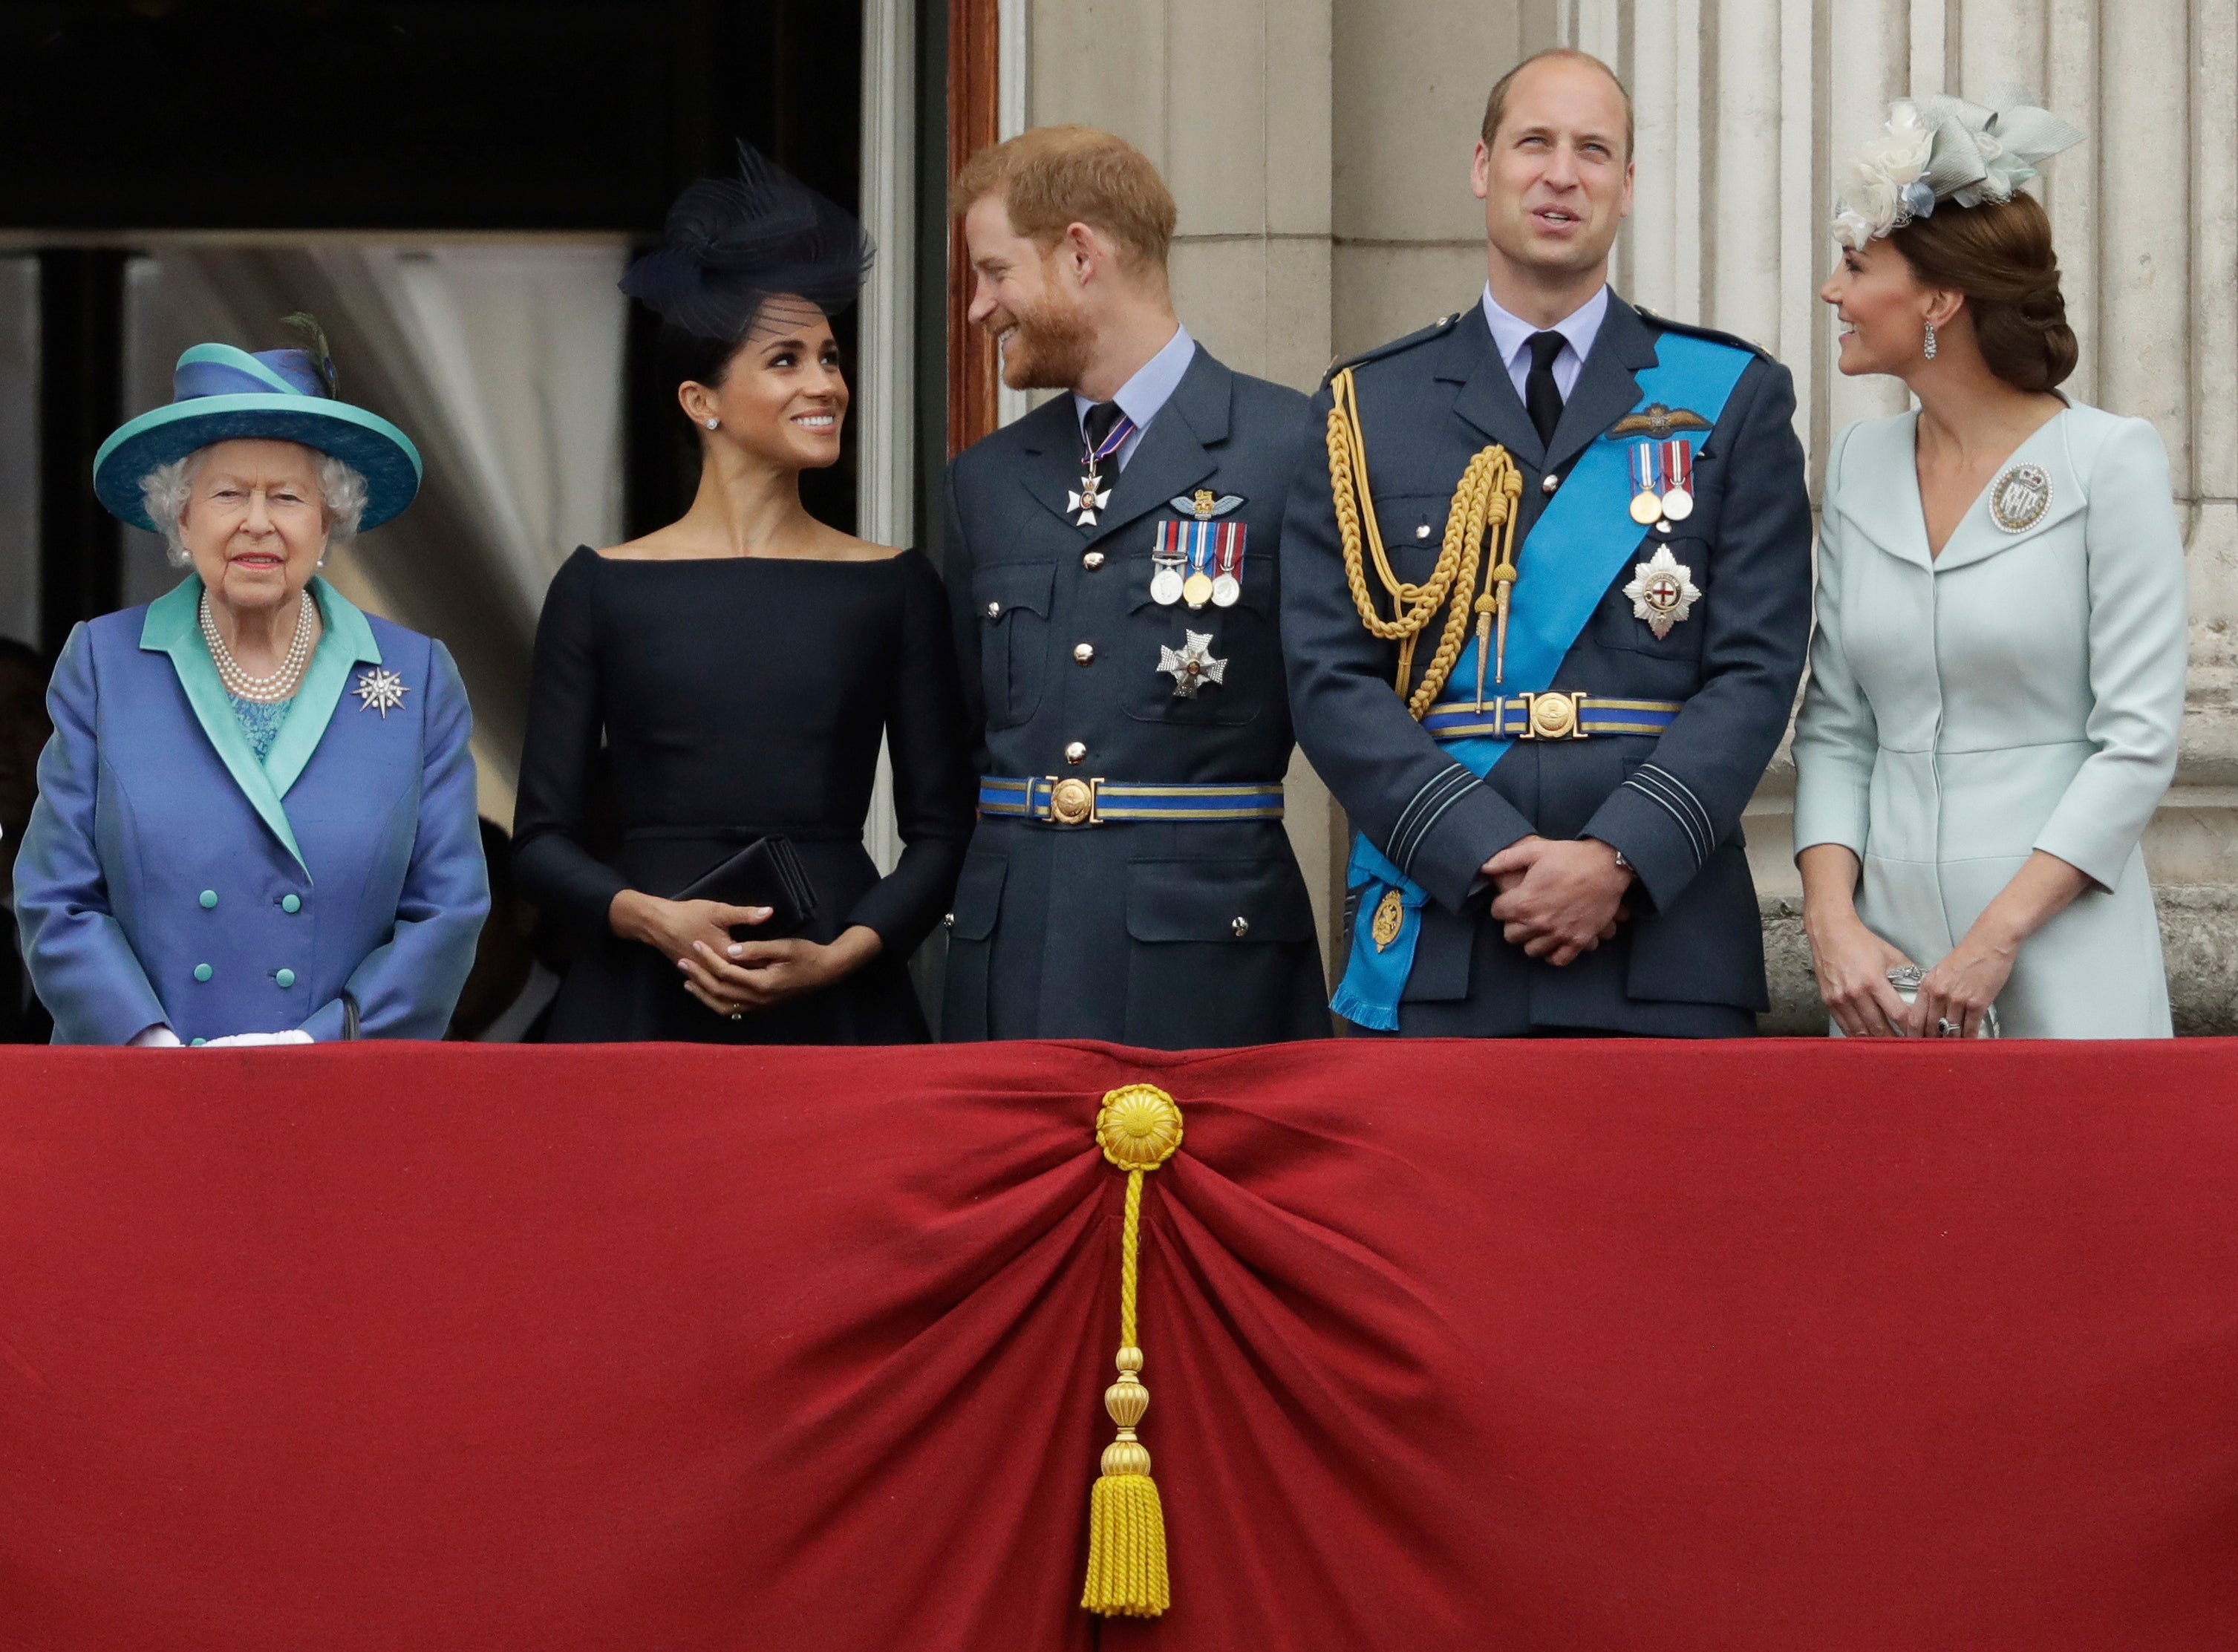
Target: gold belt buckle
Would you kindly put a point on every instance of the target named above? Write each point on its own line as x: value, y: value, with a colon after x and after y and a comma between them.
x: 1072, y: 800
x: 1553, y: 716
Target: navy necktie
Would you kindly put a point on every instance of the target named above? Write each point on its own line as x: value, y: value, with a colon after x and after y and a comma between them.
x: 1542, y: 397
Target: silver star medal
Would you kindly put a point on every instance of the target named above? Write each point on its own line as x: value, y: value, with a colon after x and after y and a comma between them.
x: 380, y: 690
x: 1087, y: 499
x: 1193, y: 665
x: 1662, y: 591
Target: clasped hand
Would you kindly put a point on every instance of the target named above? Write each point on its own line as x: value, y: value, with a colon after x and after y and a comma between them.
x: 1558, y: 899
x: 732, y: 977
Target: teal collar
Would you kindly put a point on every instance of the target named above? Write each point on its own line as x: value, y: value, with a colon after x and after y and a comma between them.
x: 346, y: 639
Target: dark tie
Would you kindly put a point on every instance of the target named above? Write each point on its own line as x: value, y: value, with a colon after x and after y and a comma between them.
x: 1101, y: 419
x: 1542, y: 397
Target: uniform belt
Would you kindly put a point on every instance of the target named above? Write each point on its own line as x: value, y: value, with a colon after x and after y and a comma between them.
x: 1070, y: 801
x: 1548, y: 716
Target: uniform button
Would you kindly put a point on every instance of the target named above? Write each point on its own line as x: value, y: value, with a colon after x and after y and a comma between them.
x: 291, y: 904
x: 1076, y: 753
x: 286, y: 977
x: 994, y: 610
x: 202, y: 972
x: 1092, y: 561
x: 1423, y: 531
x: 1085, y: 653
x: 1549, y: 483
x: 1242, y: 927
x: 208, y: 899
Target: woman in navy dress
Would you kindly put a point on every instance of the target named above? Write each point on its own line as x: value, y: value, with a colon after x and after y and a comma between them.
x: 740, y: 668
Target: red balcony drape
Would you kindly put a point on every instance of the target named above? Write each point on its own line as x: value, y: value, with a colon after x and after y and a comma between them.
x: 1629, y: 1346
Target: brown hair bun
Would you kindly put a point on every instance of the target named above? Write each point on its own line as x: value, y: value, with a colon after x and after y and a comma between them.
x: 1999, y: 254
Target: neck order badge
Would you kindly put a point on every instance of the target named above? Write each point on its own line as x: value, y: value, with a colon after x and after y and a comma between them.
x: 1573, y: 553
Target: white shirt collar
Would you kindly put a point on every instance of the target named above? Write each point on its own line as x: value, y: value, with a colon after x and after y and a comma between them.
x: 1153, y: 385
x: 1511, y: 334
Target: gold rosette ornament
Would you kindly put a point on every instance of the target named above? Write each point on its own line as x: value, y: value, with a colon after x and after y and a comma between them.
x: 1138, y: 1128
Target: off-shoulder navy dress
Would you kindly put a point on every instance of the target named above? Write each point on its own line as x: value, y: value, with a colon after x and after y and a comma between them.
x: 737, y: 696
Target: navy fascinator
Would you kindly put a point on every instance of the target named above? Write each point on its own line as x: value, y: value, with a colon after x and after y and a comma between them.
x: 732, y: 244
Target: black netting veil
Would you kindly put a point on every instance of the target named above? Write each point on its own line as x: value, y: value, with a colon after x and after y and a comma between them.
x: 732, y: 244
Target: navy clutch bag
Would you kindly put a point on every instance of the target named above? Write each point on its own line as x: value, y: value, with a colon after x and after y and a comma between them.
x: 766, y: 872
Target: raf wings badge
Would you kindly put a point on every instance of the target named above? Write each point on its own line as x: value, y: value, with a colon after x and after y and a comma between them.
x: 1662, y: 591
x: 1658, y: 422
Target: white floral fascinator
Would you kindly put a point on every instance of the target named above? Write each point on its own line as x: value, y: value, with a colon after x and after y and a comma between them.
x: 1945, y: 148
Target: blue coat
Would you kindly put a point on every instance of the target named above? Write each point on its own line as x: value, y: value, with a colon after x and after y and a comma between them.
x: 167, y: 877
x: 1690, y: 961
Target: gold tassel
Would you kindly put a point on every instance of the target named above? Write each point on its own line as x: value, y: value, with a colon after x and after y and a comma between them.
x: 1138, y: 1128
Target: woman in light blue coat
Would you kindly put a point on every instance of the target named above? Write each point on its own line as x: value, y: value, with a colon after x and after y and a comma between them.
x: 1997, y: 678
x: 256, y: 817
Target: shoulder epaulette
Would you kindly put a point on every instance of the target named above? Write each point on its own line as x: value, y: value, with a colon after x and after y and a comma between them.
x: 1709, y: 333
x: 1437, y: 329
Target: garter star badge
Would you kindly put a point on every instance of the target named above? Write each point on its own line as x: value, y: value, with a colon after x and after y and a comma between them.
x: 2020, y: 498
x: 1662, y: 591
x: 1192, y: 666
x: 380, y: 690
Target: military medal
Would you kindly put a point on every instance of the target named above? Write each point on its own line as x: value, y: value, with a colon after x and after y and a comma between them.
x: 1192, y: 665
x: 1646, y: 484
x: 1227, y: 565
x: 1662, y: 591
x: 1093, y: 492
x: 1678, y: 475
x: 1166, y: 558
x: 2021, y: 497
x: 1196, y: 589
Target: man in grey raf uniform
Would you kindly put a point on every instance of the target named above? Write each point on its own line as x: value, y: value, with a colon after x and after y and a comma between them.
x: 1552, y: 844
x: 1110, y: 559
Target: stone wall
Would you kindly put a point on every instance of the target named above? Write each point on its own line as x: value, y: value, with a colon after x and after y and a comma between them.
x: 1319, y: 150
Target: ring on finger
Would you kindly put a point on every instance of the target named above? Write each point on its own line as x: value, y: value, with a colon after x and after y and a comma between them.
x: 1945, y: 1027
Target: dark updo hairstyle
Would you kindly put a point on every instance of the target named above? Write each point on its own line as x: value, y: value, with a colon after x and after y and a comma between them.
x: 730, y: 246
x: 1999, y: 254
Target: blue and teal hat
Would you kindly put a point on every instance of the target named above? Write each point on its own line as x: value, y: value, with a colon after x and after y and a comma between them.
x: 220, y: 394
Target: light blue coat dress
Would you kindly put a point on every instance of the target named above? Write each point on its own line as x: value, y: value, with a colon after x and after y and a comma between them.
x: 2023, y: 690
x: 169, y: 876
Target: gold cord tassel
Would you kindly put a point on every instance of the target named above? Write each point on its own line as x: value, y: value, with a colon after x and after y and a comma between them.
x: 1138, y: 1128
x: 1486, y: 497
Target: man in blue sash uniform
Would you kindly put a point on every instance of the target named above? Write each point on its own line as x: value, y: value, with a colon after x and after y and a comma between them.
x: 1576, y: 540
x: 1111, y: 562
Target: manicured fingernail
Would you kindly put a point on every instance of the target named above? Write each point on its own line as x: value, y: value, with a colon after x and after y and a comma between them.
x: 736, y: 951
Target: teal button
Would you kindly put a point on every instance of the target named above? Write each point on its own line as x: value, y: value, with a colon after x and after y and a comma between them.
x: 209, y: 899
x: 285, y: 977
x: 290, y: 904
x: 196, y: 1043
x: 202, y: 972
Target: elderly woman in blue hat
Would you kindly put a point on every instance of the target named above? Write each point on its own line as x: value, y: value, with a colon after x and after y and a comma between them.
x: 256, y: 817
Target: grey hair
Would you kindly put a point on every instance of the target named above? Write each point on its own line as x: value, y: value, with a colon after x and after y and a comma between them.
x: 166, y: 489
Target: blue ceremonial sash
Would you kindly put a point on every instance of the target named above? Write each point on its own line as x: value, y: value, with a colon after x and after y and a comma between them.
x: 1574, y: 551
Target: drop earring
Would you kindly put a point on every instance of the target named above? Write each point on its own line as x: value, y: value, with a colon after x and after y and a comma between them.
x: 1930, y: 344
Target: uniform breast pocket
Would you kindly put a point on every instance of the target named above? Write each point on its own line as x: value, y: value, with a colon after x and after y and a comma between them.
x: 1210, y: 667
x: 1413, y: 529
x: 1013, y: 603
x: 1656, y: 592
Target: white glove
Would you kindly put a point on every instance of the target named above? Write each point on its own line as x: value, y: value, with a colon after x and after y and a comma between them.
x: 158, y: 1037
x: 240, y: 1041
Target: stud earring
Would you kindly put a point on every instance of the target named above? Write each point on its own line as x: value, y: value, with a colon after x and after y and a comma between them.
x: 711, y: 422
x: 1931, y: 340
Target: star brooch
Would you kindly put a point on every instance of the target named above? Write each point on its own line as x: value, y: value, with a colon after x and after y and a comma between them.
x: 1193, y: 666
x: 380, y: 690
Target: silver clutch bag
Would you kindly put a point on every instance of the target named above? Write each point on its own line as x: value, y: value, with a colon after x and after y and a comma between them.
x: 1906, y: 979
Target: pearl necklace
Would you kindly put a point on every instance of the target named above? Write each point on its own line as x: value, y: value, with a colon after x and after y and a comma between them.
x: 280, y: 684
